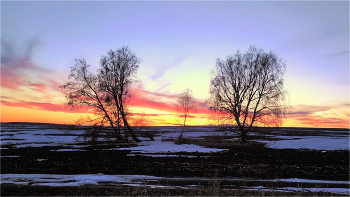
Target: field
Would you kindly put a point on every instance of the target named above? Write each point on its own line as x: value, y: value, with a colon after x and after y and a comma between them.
x: 46, y: 159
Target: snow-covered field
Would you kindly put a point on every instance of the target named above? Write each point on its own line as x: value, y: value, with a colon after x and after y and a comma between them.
x: 22, y: 135
x: 36, y: 136
x: 336, y: 142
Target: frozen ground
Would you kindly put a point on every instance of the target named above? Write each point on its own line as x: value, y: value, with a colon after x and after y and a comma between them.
x: 72, y: 180
x: 36, y: 136
x: 310, y: 142
x: 152, y: 181
x: 168, y: 147
x: 22, y: 135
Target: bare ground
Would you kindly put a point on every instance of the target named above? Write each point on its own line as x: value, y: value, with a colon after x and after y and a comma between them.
x: 251, y: 159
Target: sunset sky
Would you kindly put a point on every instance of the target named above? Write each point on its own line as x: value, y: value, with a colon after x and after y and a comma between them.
x: 178, y: 43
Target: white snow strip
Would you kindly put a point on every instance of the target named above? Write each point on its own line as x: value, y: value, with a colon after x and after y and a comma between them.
x: 71, y: 180
x: 37, y: 136
x: 164, y: 147
x: 162, y: 155
x: 312, y: 181
x: 55, y: 180
x: 311, y: 142
x: 67, y: 149
x: 11, y: 156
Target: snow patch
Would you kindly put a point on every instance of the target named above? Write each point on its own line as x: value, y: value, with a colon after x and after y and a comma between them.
x: 310, y: 142
x: 165, y: 147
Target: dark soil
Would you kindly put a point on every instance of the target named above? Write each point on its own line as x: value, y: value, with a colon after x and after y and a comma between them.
x: 18, y: 190
x: 239, y: 161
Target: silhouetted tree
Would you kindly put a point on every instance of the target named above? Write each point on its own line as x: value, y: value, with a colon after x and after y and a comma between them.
x: 107, y: 91
x: 248, y: 88
x: 185, y: 106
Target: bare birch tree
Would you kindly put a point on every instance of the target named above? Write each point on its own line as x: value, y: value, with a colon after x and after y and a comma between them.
x: 107, y: 91
x: 248, y: 88
x: 185, y: 106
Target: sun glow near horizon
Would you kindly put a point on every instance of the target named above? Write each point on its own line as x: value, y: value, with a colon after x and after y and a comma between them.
x: 153, y: 117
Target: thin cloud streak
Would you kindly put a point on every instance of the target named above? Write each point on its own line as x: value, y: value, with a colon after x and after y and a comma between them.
x: 303, y: 110
x: 161, y: 101
x: 19, y: 69
x: 138, y: 101
x: 38, y: 87
x: 338, y: 53
x: 16, y: 67
x: 45, y: 107
x: 319, y: 121
x: 161, y: 70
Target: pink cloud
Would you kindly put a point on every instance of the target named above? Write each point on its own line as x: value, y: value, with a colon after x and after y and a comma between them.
x: 161, y: 101
x: 38, y: 87
x: 146, y: 99
x: 318, y: 121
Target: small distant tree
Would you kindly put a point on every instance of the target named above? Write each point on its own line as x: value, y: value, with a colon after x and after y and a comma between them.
x: 248, y: 88
x: 185, y: 107
x: 106, y: 92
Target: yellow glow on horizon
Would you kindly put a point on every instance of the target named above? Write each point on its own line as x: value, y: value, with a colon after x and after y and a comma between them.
x: 22, y: 114
x: 155, y: 117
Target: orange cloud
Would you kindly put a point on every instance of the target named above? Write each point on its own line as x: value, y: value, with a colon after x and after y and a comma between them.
x: 38, y: 87
x: 46, y: 107
x: 145, y: 99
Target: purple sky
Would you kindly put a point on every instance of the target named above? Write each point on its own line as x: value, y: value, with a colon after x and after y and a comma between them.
x: 178, y: 43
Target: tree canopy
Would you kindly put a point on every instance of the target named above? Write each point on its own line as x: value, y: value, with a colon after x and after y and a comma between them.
x: 106, y: 92
x: 248, y: 88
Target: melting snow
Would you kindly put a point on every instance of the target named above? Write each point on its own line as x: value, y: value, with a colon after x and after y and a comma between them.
x: 139, y: 180
x: 165, y: 147
x: 36, y: 136
x: 310, y: 142
x: 71, y: 180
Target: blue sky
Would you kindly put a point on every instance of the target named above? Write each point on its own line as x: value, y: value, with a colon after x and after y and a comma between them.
x: 179, y: 42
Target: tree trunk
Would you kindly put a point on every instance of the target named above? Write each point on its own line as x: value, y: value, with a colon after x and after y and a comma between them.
x: 134, y: 137
x: 126, y: 124
x: 130, y: 130
x: 244, y: 136
x: 183, y: 129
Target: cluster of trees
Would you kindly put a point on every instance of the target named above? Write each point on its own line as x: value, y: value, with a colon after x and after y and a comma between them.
x: 246, y: 89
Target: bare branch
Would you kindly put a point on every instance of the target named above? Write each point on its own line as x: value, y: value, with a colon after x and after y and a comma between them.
x: 107, y: 91
x: 249, y: 87
x: 185, y: 107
